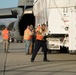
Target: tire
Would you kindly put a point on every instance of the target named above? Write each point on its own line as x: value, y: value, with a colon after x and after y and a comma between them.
x: 63, y: 49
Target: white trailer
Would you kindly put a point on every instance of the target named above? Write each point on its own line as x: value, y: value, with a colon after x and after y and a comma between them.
x: 60, y: 16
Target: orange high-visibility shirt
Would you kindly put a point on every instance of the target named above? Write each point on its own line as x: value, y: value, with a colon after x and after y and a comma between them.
x: 39, y: 36
x: 5, y: 34
x: 27, y: 34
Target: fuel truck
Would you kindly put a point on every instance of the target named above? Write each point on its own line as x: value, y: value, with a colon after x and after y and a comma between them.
x: 60, y: 18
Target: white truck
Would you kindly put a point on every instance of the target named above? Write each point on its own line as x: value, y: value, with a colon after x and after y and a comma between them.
x: 60, y: 18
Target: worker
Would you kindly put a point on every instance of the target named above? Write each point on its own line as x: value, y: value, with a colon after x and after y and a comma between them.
x: 32, y: 40
x: 27, y: 38
x: 40, y: 42
x: 5, y: 36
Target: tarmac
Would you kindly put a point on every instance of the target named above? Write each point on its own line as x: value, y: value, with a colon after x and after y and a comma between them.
x: 18, y: 63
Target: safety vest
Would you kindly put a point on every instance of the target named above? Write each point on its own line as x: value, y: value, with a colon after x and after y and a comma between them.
x: 5, y: 34
x: 39, y: 36
x: 27, y: 34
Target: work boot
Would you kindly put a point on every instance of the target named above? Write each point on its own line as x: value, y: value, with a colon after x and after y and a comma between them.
x: 32, y: 60
x: 7, y: 51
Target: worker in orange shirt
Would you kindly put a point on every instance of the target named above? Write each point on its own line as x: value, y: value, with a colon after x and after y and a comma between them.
x: 5, y: 36
x: 40, y: 42
x: 32, y: 40
x: 27, y: 38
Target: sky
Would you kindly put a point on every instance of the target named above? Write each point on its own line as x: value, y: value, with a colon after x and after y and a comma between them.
x: 7, y: 4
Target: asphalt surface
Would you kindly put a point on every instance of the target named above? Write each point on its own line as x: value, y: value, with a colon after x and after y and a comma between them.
x: 18, y: 63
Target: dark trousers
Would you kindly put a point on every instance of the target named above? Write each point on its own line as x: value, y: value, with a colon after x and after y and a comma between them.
x: 39, y: 44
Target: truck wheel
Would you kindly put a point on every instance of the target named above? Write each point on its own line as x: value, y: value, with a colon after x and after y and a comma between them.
x: 63, y: 49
